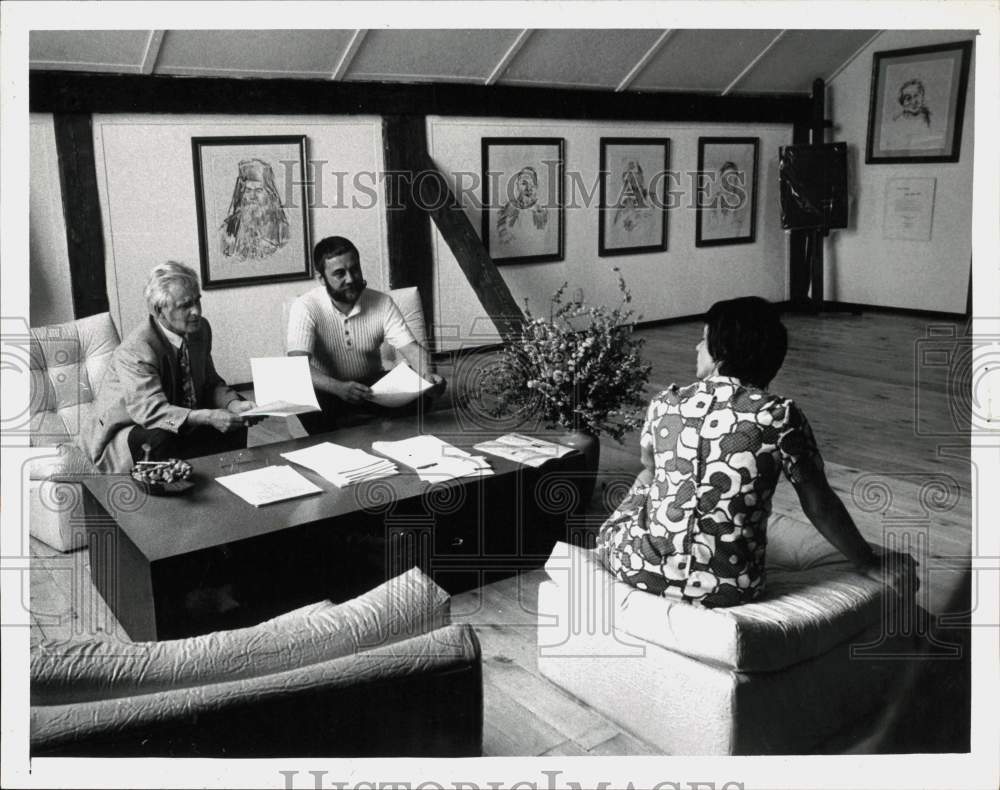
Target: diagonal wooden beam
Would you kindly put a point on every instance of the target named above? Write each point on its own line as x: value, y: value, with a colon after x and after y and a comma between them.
x: 508, y: 57
x: 349, y: 54
x: 639, y: 67
x: 153, y: 44
x: 435, y: 197
x: 833, y: 75
x: 753, y: 64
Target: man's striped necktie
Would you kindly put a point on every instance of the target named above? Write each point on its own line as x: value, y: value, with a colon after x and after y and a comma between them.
x: 187, y: 382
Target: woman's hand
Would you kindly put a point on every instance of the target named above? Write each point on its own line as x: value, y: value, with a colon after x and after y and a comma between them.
x: 896, y: 570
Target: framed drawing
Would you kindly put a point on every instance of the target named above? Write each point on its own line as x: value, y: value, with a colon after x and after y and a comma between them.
x: 726, y: 198
x: 917, y: 104
x: 523, y: 198
x: 253, y: 215
x: 633, y: 209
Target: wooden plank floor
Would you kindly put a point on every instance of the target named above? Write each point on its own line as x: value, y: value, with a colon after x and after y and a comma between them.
x: 863, y: 385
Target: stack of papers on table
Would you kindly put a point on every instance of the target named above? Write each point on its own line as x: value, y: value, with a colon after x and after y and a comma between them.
x: 342, y: 466
x: 270, y: 484
x: 524, y: 449
x: 433, y: 459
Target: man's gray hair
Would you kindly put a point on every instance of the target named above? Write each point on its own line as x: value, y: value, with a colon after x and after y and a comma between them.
x: 157, y: 291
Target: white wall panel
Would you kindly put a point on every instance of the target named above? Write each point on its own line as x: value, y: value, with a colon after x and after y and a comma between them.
x: 861, y: 265
x: 146, y: 181
x: 682, y: 281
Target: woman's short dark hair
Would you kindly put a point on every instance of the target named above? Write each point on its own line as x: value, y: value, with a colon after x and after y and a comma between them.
x: 331, y: 247
x: 747, y: 339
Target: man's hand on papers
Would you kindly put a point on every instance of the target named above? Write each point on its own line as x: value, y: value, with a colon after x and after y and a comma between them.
x: 353, y: 392
x: 239, y: 406
x: 223, y: 420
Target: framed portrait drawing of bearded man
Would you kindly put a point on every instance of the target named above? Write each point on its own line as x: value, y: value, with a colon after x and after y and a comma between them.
x: 523, y: 198
x: 253, y: 218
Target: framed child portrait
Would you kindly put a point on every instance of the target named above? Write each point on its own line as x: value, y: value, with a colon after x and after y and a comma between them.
x: 523, y: 198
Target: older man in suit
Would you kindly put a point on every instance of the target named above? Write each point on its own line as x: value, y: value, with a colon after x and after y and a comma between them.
x: 161, y: 390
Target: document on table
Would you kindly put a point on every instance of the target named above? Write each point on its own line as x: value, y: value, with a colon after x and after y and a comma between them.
x: 523, y: 449
x: 282, y: 386
x: 342, y: 466
x: 267, y: 485
x: 433, y: 459
x: 399, y: 386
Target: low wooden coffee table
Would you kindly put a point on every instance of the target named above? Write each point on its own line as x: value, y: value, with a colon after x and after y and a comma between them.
x: 163, y: 563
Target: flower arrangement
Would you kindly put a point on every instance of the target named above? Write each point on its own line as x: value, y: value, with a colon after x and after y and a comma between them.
x: 579, y: 369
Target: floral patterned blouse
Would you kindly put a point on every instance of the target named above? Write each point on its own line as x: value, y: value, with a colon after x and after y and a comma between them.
x: 698, y: 531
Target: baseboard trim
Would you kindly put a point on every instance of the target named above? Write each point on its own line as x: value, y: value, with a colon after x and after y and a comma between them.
x: 786, y: 306
x: 858, y: 307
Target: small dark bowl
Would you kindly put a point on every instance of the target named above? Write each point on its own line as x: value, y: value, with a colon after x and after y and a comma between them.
x: 180, y: 484
x: 166, y: 489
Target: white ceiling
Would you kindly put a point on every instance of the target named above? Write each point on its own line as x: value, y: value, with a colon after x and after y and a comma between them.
x: 712, y: 61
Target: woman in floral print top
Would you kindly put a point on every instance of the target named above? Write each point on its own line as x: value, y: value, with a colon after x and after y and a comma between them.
x: 694, y: 524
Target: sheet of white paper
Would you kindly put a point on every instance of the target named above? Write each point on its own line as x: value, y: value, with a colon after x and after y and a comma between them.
x: 451, y: 468
x: 523, y: 449
x: 282, y: 386
x: 419, y: 451
x: 433, y: 459
x: 399, y: 386
x: 270, y: 484
x: 341, y: 465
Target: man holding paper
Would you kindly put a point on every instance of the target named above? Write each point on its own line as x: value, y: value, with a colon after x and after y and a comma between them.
x: 161, y: 390
x: 340, y: 325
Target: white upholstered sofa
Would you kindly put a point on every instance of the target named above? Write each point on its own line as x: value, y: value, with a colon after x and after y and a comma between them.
x: 782, y: 675
x: 383, y: 674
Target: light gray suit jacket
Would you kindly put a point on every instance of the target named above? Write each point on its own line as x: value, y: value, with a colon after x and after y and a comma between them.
x: 142, y: 386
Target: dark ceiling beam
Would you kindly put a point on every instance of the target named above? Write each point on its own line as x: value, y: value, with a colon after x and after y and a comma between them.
x: 77, y: 92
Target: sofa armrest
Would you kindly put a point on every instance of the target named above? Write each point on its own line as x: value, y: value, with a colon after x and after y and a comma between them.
x: 418, y: 697
x: 67, y: 464
x: 82, y: 671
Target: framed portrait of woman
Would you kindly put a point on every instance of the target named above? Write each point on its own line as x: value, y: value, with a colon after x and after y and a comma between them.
x: 633, y: 214
x: 917, y: 104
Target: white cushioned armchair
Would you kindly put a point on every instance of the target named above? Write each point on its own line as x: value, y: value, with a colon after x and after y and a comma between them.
x: 67, y: 361
x: 782, y: 675
x: 383, y: 674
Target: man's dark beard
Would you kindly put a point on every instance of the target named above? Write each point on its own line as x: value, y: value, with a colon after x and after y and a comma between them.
x: 347, y: 295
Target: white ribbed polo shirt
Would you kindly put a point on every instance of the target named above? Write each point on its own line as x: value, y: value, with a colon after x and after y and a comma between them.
x: 346, y: 347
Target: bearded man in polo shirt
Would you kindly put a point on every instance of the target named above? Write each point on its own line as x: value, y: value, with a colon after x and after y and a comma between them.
x: 341, y: 325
